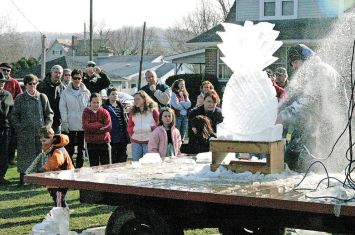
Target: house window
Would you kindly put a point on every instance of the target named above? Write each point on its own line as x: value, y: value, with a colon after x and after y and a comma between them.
x: 278, y: 9
x: 224, y: 72
x: 57, y: 52
x: 269, y: 8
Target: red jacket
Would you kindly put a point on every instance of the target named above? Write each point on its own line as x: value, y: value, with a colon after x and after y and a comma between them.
x: 280, y: 91
x: 59, y: 159
x: 97, y: 126
x: 13, y: 86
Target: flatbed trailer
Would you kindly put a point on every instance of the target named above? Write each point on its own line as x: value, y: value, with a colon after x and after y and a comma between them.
x: 155, y: 203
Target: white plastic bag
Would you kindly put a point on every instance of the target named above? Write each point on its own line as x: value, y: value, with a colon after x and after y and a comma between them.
x: 56, y: 222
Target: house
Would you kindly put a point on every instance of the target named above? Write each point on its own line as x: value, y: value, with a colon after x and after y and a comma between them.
x: 76, y: 47
x: 122, y: 70
x: 58, y: 48
x: 299, y: 21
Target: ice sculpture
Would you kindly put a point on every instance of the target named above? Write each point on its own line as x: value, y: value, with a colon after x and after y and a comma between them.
x: 249, y: 101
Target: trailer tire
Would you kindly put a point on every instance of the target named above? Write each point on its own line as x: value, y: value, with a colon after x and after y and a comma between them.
x: 136, y: 220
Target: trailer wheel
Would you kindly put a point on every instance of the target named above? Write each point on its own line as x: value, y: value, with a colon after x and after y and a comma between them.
x: 136, y: 220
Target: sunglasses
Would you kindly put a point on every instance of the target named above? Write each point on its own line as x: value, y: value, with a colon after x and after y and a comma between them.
x: 6, y: 70
x: 32, y: 83
x: 76, y: 78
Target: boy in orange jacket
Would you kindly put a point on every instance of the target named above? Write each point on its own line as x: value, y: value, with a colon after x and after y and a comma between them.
x: 53, y: 158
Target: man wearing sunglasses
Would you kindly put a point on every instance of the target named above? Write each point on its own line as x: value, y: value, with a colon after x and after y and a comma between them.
x: 11, y: 84
x: 94, y: 78
x: 14, y: 87
x: 53, y: 87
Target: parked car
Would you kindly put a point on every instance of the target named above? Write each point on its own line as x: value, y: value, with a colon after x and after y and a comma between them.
x: 126, y: 99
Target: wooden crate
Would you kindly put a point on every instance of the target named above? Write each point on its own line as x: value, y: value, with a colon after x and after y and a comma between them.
x: 274, y: 163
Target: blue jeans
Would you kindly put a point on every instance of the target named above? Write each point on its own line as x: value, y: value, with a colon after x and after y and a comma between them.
x: 181, y: 125
x: 138, y: 150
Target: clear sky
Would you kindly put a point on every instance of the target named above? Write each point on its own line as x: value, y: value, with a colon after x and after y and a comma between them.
x: 70, y: 15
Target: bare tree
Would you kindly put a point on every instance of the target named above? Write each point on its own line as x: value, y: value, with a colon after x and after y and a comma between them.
x: 127, y: 41
x: 207, y: 15
x: 12, y: 43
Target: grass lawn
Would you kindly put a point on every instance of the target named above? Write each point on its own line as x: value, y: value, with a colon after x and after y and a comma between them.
x: 23, y: 207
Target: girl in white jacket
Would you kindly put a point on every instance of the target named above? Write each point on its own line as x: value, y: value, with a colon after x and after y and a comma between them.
x: 142, y: 121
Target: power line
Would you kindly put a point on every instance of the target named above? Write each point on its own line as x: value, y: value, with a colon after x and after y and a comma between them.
x: 18, y: 9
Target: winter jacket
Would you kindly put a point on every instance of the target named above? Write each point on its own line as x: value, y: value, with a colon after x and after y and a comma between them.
x: 29, y: 114
x: 317, y: 109
x: 158, y: 142
x: 161, y: 95
x: 59, y: 158
x: 13, y: 86
x: 97, y: 126
x: 71, y: 106
x: 54, y: 157
x: 53, y: 92
x: 119, y: 126
x: 198, y: 144
x: 141, y: 125
x: 96, y: 83
x: 180, y: 107
x: 280, y: 92
x: 6, y: 105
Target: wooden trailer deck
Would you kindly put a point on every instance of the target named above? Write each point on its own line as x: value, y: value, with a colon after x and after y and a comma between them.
x: 249, y: 197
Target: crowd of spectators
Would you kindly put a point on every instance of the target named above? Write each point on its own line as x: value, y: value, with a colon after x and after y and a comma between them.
x: 69, y: 102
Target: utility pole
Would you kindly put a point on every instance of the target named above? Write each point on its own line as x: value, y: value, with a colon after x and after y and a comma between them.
x: 43, y: 57
x: 85, y: 39
x: 141, y: 62
x: 91, y: 28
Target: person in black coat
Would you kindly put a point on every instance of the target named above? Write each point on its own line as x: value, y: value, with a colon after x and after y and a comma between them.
x: 53, y: 87
x: 6, y: 104
x: 208, y: 109
x: 95, y: 79
x: 201, y: 133
x: 119, y: 134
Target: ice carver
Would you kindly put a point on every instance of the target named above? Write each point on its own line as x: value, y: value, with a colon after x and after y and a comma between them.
x: 316, y: 103
x: 53, y: 158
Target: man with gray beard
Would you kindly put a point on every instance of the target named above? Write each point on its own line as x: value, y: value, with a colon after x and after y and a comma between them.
x: 316, y: 108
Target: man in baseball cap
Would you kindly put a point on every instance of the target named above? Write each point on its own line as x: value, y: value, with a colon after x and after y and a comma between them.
x: 297, y: 54
x: 14, y: 88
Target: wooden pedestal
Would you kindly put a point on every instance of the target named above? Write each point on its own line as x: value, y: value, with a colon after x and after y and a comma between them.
x: 274, y: 163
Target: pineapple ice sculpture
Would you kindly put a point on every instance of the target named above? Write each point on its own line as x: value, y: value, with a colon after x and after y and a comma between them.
x: 249, y: 101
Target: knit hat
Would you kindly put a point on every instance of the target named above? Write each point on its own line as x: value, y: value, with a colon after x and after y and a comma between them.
x: 5, y: 65
x: 299, y: 52
x: 57, y: 67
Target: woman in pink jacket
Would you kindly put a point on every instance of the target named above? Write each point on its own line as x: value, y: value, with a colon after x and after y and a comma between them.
x: 165, y: 139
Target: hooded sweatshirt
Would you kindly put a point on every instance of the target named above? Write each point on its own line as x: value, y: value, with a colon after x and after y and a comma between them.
x: 59, y: 158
